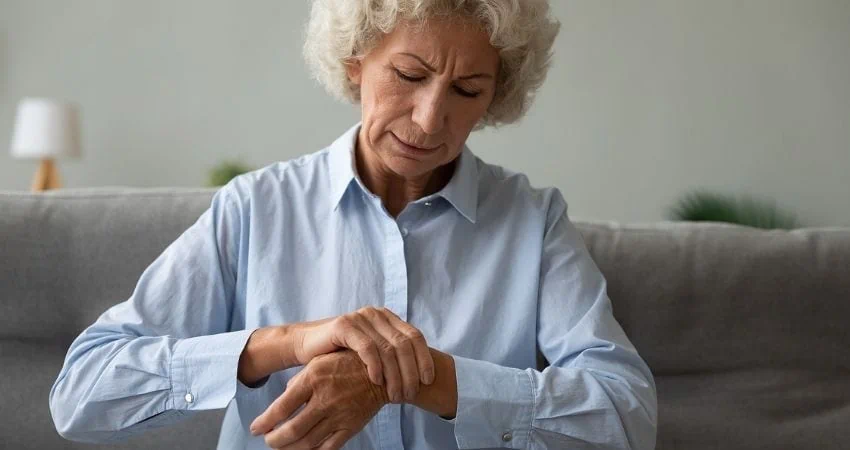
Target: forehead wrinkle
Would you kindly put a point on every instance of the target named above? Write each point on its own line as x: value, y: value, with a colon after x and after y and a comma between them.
x: 436, y: 62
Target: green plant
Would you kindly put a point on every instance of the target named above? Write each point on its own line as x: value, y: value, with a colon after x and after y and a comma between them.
x: 703, y: 205
x: 225, y: 171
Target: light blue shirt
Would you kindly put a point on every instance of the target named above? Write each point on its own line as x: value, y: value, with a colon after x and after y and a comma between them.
x: 490, y: 269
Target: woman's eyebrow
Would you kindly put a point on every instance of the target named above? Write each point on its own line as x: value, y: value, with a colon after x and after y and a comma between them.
x: 427, y: 66
x: 476, y: 75
x: 432, y: 69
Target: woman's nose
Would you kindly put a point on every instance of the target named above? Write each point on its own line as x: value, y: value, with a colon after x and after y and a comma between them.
x: 430, y: 110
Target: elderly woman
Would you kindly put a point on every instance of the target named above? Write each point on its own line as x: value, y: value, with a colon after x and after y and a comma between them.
x: 390, y: 291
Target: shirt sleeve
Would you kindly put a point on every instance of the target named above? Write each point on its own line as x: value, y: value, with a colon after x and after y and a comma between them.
x: 597, y: 392
x: 168, y: 349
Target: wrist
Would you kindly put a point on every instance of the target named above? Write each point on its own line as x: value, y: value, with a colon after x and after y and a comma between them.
x: 440, y: 397
x: 379, y: 392
x: 288, y: 338
x: 267, y: 351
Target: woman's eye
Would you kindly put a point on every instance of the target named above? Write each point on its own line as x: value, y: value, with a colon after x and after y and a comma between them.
x: 405, y: 77
x: 413, y: 79
x: 466, y: 93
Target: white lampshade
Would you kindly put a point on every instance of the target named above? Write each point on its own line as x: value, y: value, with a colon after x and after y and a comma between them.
x: 46, y: 128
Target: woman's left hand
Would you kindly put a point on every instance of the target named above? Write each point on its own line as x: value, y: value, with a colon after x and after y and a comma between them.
x: 395, y: 353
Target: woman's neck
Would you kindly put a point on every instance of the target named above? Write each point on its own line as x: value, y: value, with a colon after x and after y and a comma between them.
x: 395, y: 191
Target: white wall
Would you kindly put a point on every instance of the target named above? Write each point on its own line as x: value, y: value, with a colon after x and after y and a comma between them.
x: 646, y: 99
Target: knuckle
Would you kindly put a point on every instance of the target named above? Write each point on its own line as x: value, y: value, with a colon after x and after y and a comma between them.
x: 279, y: 407
x: 291, y: 429
x: 304, y: 377
x: 296, y: 429
x: 386, y: 347
x: 416, y: 335
x: 371, y: 348
x: 401, y: 340
x: 324, y: 409
x: 368, y: 311
x: 360, y: 346
x: 343, y: 322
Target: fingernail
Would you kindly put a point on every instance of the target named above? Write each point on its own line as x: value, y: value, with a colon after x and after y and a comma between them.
x: 429, y: 376
x: 411, y: 395
x: 253, y: 431
x: 394, y: 397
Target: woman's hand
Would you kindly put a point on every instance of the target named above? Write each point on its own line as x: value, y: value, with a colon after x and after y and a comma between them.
x: 338, y: 402
x: 394, y: 352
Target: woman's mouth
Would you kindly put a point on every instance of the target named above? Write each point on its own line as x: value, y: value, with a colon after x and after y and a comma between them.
x: 413, y: 149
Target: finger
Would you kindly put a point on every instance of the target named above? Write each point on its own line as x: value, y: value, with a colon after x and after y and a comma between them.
x: 405, y: 355
x: 354, y: 338
x: 424, y: 359
x: 314, y: 438
x: 295, y: 429
x: 392, y: 374
x: 335, y: 441
x: 295, y: 395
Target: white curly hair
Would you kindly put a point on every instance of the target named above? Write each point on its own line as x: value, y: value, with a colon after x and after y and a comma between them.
x: 523, y: 32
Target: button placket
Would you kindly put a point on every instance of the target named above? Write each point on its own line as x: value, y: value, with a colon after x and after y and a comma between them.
x: 395, y: 299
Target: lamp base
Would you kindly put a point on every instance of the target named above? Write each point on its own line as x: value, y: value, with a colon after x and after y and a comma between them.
x: 46, y: 177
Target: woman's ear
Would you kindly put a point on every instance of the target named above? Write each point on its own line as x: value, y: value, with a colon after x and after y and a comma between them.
x: 354, y: 70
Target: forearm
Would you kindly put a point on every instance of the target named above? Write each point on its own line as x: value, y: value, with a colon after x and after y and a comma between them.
x: 269, y: 350
x: 440, y: 397
x: 497, y: 404
x: 620, y: 401
x: 114, y: 385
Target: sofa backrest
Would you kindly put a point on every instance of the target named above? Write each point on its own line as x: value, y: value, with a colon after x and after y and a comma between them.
x: 65, y: 257
x: 745, y: 330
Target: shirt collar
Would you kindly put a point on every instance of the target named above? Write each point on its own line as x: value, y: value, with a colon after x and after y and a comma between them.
x: 461, y: 191
x: 342, y: 164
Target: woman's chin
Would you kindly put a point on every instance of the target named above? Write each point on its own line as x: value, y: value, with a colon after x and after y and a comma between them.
x: 407, y: 167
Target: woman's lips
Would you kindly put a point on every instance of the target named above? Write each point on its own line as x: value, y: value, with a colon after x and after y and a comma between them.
x: 412, y: 148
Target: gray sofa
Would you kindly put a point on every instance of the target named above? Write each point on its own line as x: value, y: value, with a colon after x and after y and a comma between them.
x: 746, y: 331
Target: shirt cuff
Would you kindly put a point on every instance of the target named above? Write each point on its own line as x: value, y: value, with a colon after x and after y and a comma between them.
x: 204, y: 370
x: 495, y: 405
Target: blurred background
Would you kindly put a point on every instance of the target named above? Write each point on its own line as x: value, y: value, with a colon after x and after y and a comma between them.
x: 645, y: 101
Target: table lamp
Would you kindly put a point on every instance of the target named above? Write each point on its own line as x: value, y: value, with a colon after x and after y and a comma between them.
x: 46, y: 129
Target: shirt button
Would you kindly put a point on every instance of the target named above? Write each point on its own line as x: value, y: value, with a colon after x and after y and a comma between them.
x: 189, y: 398
x: 404, y: 231
x: 427, y: 203
x: 507, y: 437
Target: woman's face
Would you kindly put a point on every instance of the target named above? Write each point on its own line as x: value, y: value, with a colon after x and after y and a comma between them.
x: 423, y: 89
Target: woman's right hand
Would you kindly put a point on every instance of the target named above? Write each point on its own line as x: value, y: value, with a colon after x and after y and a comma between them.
x: 395, y: 352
